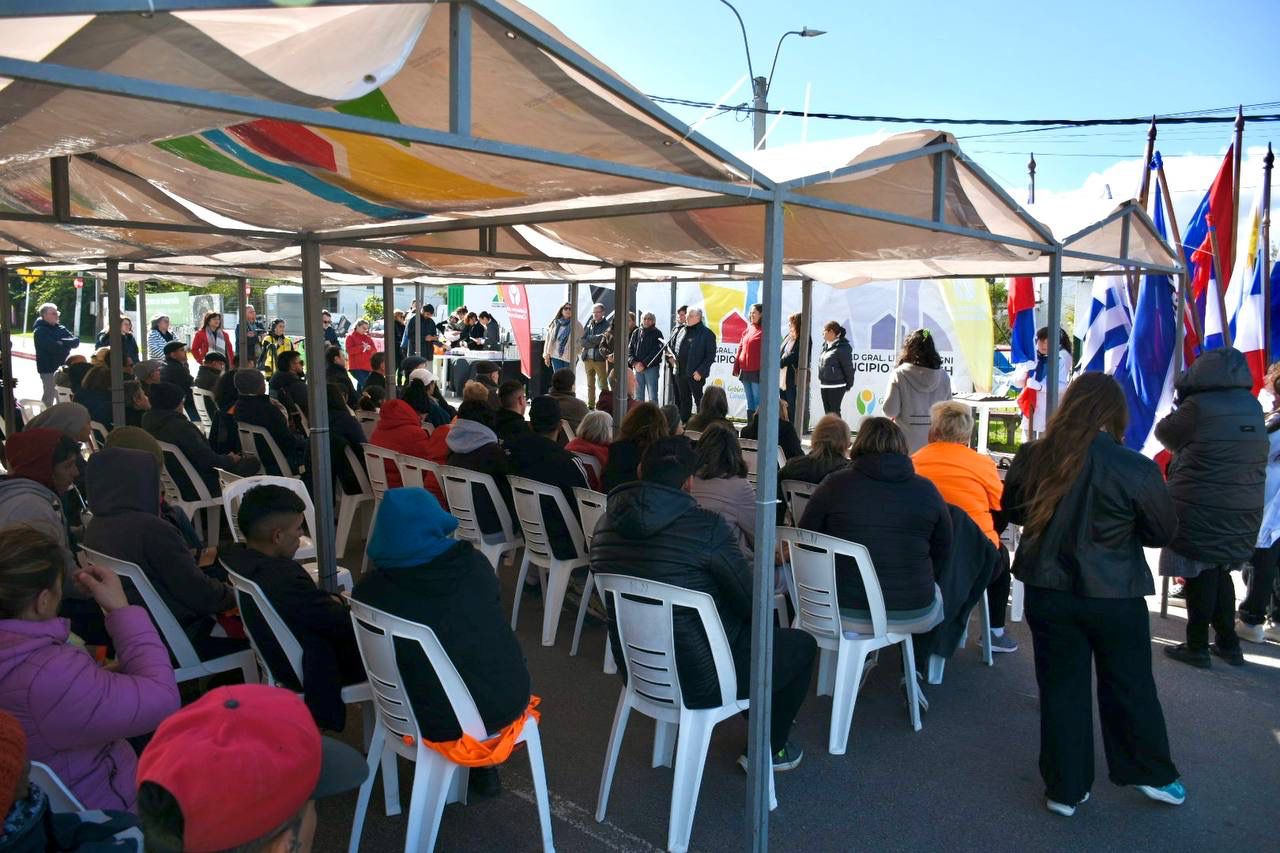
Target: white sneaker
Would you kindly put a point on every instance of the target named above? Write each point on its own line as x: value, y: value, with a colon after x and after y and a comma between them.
x: 1064, y: 809
x: 1272, y: 632
x: 1250, y: 633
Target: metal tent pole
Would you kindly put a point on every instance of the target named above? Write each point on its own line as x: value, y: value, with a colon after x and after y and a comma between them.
x: 897, y: 319
x: 242, y: 324
x: 388, y: 335
x: 668, y: 372
x: 413, y: 325
x: 622, y: 308
x: 113, y: 332
x: 1054, y: 323
x: 6, y: 351
x: 759, y: 753
x: 140, y: 333
x: 573, y: 327
x: 1265, y: 260
x: 805, y: 346
x: 318, y: 411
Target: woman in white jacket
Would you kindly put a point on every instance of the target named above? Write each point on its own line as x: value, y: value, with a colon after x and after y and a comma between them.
x: 1259, y: 614
x: 1037, y: 378
x: 558, y: 338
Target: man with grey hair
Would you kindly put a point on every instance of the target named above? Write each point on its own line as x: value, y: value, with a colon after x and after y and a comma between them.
x: 695, y: 353
x: 53, y: 343
x: 968, y: 480
x: 593, y: 358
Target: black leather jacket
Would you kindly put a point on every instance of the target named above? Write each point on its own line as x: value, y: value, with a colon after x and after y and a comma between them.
x: 1218, y: 474
x: 1093, y: 546
x: 659, y: 533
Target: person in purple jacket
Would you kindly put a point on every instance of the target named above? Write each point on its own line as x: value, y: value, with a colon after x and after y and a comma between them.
x: 77, y: 714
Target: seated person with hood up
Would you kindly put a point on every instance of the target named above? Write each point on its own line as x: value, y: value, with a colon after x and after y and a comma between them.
x: 435, y: 580
x: 536, y: 456
x: 167, y: 422
x: 271, y: 519
x: 255, y: 408
x: 474, y: 446
x: 124, y: 495
x: 42, y: 468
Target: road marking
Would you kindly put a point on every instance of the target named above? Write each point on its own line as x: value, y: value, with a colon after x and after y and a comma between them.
x: 584, y: 821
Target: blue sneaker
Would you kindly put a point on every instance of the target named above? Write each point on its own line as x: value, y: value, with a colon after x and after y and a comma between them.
x: 1174, y: 793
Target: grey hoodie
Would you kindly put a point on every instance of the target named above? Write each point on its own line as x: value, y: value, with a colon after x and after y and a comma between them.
x: 469, y: 436
x: 912, y: 391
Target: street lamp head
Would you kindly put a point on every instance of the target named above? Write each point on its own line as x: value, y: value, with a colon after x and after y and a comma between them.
x: 808, y: 33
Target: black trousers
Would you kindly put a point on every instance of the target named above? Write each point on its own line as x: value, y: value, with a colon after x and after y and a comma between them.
x: 998, y: 591
x: 831, y: 400
x: 1211, y: 600
x: 793, y: 654
x: 688, y: 393
x: 1069, y: 633
x: 1262, y: 599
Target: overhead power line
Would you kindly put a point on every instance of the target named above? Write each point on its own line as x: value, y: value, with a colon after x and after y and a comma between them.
x: 1027, y: 122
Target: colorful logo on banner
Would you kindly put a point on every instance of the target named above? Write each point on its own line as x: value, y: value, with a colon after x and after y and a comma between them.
x: 866, y: 402
x: 518, y: 314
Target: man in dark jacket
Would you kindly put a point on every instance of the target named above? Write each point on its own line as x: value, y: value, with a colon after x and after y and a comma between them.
x: 696, y: 353
x: 422, y: 331
x: 329, y: 332
x: 53, y: 342
x: 593, y: 332
x: 654, y: 530
x: 1216, y: 479
x: 508, y: 421
x: 167, y: 422
x: 255, y: 331
x: 271, y: 519
x: 287, y: 383
x: 572, y: 409
x: 473, y: 445
x: 215, y: 364
x: 488, y: 375
x: 492, y: 331
x: 177, y: 371
x: 535, y: 455
x: 449, y: 586
x: 124, y: 494
x: 255, y: 408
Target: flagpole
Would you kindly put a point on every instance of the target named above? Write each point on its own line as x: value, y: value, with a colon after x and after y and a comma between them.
x: 1235, y: 192
x: 1221, y: 282
x: 1265, y: 260
x: 1143, y: 193
x: 1183, y: 284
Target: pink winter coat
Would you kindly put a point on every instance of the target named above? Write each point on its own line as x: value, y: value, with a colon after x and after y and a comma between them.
x: 77, y: 714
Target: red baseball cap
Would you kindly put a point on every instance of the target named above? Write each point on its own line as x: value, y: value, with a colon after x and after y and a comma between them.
x: 241, y: 761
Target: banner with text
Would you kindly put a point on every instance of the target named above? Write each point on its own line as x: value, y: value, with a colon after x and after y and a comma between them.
x: 517, y: 304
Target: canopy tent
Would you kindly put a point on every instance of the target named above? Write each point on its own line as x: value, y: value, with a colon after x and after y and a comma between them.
x: 472, y: 142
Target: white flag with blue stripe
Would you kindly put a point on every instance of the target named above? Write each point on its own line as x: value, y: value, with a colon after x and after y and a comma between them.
x: 1106, y: 337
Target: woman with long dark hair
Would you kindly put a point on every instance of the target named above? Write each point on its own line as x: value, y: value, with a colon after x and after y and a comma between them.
x: 558, y: 338
x: 211, y: 337
x: 714, y: 407
x: 835, y: 367
x: 918, y: 382
x: 1088, y: 506
x: 275, y: 343
x: 746, y: 364
x: 789, y: 362
x: 1034, y: 405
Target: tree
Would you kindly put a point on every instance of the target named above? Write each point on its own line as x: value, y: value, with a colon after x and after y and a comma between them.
x: 999, y: 293
x: 373, y: 309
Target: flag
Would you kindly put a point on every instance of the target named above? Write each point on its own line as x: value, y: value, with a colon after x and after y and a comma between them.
x: 969, y: 305
x: 1245, y: 301
x: 1106, y: 338
x: 1146, y: 371
x: 1022, y: 323
x: 1215, y: 213
x: 518, y: 313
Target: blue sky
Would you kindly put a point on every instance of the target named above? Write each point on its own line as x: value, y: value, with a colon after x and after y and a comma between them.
x: 982, y: 58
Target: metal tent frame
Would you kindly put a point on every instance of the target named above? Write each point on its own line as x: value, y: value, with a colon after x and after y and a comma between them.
x: 741, y: 186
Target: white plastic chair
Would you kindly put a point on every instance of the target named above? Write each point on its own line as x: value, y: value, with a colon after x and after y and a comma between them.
x: 414, y: 471
x: 797, y: 494
x: 569, y: 433
x: 97, y: 436
x: 643, y: 617
x: 591, y: 508
x: 842, y: 654
x: 61, y: 799
x: 349, y: 506
x: 352, y: 694
x: 436, y: 780
x: 31, y: 408
x: 692, y: 435
x: 377, y: 461
x: 190, y: 666
x: 457, y: 485
x: 64, y: 396
x: 591, y: 467
x: 234, y: 493
x: 368, y: 422
x: 203, y: 502
x: 226, y: 478
x: 249, y: 435
x: 206, y: 405
x: 553, y: 572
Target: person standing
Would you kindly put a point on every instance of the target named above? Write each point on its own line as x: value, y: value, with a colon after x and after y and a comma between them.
x: 1088, y: 506
x: 592, y: 355
x: 128, y: 343
x: 212, y: 338
x: 644, y: 354
x: 254, y: 332
x: 158, y: 336
x: 835, y: 367
x: 330, y: 333
x: 746, y: 364
x: 53, y: 343
x: 360, y: 350
x: 1218, y: 481
x: 1260, y: 611
x: 789, y: 362
x: 1034, y: 401
x: 422, y: 331
x: 557, y: 347
x: 492, y: 331
x: 918, y: 382
x: 275, y: 343
x: 695, y: 353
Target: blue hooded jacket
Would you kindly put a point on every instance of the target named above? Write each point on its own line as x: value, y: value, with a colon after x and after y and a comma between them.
x: 410, y: 529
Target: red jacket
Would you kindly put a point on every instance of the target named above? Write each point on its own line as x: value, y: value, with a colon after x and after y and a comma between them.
x: 359, y: 350
x: 400, y: 429
x: 748, y: 357
x: 200, y: 346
